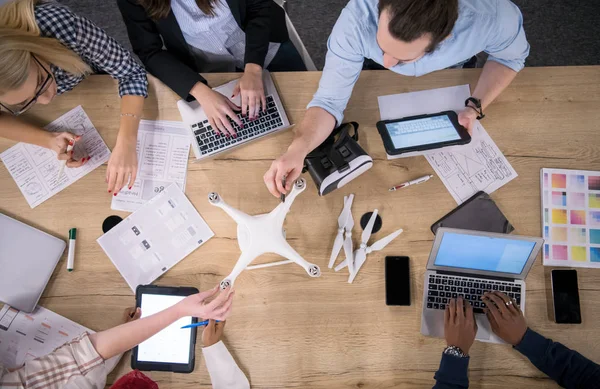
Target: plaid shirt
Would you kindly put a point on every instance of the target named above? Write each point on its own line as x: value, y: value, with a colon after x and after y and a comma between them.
x: 101, y: 52
x: 77, y: 364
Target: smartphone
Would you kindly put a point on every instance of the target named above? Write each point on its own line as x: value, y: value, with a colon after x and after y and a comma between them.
x: 397, y: 281
x: 565, y: 294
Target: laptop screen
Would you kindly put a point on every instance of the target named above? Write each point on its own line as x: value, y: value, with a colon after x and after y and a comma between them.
x: 492, y: 254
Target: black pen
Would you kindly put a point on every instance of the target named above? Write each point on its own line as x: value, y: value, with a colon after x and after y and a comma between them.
x: 283, y: 194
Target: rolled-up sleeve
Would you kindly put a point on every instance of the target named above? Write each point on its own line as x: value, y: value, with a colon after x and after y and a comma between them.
x: 509, y: 45
x: 110, y: 57
x: 343, y: 64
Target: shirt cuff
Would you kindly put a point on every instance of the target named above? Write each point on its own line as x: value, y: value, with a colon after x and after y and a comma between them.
x: 453, y: 370
x: 224, y: 372
x: 531, y: 343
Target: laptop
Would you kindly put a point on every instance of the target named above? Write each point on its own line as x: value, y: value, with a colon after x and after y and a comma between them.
x: 207, y: 143
x: 468, y: 263
x: 28, y: 257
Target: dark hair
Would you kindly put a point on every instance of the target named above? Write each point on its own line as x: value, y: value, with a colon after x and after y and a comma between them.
x: 159, y: 9
x: 411, y: 19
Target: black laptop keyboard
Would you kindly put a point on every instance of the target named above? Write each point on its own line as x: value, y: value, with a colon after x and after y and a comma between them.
x: 209, y: 141
x: 443, y: 288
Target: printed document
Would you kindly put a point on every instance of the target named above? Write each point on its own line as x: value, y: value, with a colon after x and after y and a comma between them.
x: 163, y: 148
x: 156, y: 237
x: 26, y: 336
x: 464, y: 169
x: 35, y: 169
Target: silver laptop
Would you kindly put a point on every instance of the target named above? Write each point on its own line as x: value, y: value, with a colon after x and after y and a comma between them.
x: 469, y: 263
x: 28, y: 257
x: 206, y: 143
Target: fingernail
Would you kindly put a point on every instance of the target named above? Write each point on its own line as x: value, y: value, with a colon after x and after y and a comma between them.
x: 130, y: 188
x: 114, y: 194
x: 109, y: 191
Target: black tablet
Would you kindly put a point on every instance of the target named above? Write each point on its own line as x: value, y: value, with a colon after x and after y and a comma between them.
x: 172, y: 349
x: 424, y: 132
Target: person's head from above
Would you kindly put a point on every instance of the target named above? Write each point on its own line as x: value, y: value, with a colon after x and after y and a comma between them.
x: 159, y: 9
x: 410, y: 29
x: 26, y: 58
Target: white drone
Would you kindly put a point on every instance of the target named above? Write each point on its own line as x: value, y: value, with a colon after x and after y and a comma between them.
x: 355, y: 260
x: 263, y: 234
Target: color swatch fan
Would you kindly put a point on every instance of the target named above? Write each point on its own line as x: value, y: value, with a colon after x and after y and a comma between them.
x: 571, y: 217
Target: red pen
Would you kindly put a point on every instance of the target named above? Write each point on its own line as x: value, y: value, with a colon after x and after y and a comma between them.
x: 417, y: 181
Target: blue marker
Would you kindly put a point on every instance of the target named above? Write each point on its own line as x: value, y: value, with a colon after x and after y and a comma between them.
x: 199, y: 324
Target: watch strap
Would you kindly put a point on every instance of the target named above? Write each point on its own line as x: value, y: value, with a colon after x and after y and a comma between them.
x: 455, y: 351
x: 477, y: 106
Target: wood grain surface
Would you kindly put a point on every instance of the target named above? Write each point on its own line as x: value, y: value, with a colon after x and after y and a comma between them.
x: 288, y: 330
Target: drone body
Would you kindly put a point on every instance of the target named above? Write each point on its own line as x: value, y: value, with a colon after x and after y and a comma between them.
x: 263, y: 234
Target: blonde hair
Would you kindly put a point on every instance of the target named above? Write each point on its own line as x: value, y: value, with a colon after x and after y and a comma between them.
x: 20, y: 40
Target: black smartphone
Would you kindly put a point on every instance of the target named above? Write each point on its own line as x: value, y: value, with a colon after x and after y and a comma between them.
x: 565, y: 294
x: 397, y: 281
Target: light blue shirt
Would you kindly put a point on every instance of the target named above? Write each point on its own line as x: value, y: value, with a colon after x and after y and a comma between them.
x: 217, y: 41
x: 492, y: 26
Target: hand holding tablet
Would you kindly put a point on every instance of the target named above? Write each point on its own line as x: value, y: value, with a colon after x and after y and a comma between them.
x: 420, y: 133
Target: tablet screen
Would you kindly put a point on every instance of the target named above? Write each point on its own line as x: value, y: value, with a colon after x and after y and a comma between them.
x: 171, y: 345
x: 424, y: 131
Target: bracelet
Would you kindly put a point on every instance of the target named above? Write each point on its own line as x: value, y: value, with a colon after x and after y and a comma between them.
x: 477, y: 108
x: 455, y: 352
x: 131, y: 115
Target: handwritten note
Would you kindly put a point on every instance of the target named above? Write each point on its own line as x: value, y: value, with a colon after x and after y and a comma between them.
x: 35, y: 169
x: 163, y: 149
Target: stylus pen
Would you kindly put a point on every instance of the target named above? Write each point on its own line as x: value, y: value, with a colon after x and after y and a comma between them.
x: 199, y: 324
x: 419, y: 180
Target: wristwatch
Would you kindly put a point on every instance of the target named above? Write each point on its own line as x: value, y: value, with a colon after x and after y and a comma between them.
x: 477, y: 106
x: 455, y: 351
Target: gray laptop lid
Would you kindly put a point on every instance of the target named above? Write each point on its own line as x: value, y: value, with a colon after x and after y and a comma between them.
x: 483, y: 253
x: 28, y: 257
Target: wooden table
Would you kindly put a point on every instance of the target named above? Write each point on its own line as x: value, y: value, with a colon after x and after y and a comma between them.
x: 289, y: 330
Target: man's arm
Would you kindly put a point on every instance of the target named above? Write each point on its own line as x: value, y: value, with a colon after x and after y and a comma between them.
x: 565, y: 366
x: 343, y: 64
x: 508, y: 48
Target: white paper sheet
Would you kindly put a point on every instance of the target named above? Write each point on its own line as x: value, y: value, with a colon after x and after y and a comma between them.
x: 155, y: 237
x: 35, y: 169
x: 465, y: 169
x: 26, y: 336
x: 163, y: 149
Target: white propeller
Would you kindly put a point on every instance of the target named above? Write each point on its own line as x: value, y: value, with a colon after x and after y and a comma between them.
x: 360, y: 255
x: 342, y: 221
x: 360, y: 258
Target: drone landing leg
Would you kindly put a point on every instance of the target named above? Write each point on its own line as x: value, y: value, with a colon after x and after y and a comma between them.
x: 263, y: 265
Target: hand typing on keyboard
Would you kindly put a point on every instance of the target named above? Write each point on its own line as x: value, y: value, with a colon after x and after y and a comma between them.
x: 505, y: 317
x: 460, y: 327
x: 218, y: 108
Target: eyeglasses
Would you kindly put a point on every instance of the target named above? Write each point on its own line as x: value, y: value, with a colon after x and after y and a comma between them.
x: 23, y: 107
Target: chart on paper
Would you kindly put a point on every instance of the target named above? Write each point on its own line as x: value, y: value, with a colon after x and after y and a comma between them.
x: 156, y: 237
x: 478, y: 166
x: 36, y: 169
x: 26, y: 336
x: 163, y: 149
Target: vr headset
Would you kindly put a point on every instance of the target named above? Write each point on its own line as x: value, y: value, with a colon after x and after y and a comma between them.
x: 338, y: 160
